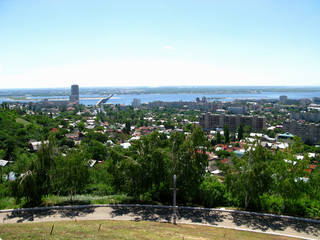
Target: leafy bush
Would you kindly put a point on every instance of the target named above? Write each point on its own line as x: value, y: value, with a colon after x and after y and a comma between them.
x: 270, y: 203
x: 100, y: 189
x: 303, y: 207
x: 212, y: 193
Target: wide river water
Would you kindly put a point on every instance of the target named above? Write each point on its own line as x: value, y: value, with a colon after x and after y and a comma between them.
x: 145, y: 98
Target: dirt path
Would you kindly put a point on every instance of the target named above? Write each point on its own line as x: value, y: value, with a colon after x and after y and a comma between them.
x: 268, y: 224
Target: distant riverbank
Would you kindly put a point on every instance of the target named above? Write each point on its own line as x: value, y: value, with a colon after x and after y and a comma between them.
x: 185, y: 97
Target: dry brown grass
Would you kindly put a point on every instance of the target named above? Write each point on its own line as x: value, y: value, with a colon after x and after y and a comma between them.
x: 98, y: 229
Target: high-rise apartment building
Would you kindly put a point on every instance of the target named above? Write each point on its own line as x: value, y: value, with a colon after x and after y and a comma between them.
x: 309, y: 133
x: 74, y: 97
x: 136, y: 103
x: 209, y: 121
x: 283, y: 99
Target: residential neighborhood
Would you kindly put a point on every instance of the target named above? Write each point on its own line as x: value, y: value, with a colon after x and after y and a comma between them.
x: 210, y: 143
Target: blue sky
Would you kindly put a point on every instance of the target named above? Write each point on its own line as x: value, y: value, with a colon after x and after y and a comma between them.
x: 159, y: 43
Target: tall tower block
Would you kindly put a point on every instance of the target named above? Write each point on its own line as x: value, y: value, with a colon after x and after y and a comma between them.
x: 74, y: 97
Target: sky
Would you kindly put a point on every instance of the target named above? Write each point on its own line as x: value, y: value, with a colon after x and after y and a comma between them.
x: 101, y: 43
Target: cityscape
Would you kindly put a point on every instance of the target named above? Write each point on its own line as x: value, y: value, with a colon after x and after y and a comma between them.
x: 160, y: 119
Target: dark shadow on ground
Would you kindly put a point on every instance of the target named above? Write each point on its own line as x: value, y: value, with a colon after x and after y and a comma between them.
x: 265, y: 223
x: 30, y: 215
x: 72, y: 213
x: 201, y: 216
x: 143, y: 214
x: 256, y: 222
x: 166, y: 214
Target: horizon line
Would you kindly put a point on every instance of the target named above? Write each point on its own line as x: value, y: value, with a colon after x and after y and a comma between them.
x: 167, y: 86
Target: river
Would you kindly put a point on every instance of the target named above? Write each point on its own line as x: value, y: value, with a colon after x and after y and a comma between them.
x: 145, y: 98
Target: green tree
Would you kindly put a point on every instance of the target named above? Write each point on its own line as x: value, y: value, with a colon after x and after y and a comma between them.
x: 247, y: 129
x: 289, y: 174
x: 36, y: 182
x: 96, y: 150
x: 81, y: 126
x: 218, y: 137
x: 226, y: 133
x: 127, y: 129
x: 72, y: 173
x: 143, y: 169
x: 96, y: 136
x: 240, y: 132
x: 251, y: 175
x: 212, y: 192
x: 315, y: 184
x: 190, y: 162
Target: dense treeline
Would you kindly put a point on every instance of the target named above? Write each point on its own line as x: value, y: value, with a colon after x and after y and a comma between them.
x: 261, y: 180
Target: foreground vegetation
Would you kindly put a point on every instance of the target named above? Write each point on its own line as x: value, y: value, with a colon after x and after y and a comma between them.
x: 123, y: 230
x: 56, y: 200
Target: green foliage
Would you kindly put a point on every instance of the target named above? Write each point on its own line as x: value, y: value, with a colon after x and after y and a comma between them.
x: 314, y: 189
x: 128, y: 127
x: 36, y: 182
x: 251, y: 175
x: 96, y: 150
x: 289, y: 174
x: 212, y: 193
x: 247, y: 129
x: 224, y: 154
x: 100, y: 180
x: 145, y: 165
x: 190, y: 161
x: 218, y: 138
x: 226, y: 133
x: 240, y: 132
x: 71, y: 173
x: 23, y: 162
x: 81, y: 126
x: 270, y: 203
x: 261, y: 180
x: 22, y: 121
x: 96, y: 136
x: 148, y: 166
x: 303, y: 207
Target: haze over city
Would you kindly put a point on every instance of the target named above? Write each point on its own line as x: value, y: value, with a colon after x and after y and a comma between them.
x: 159, y: 43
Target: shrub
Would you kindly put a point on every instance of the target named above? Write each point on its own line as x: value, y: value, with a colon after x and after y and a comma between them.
x: 270, y: 203
x: 212, y: 193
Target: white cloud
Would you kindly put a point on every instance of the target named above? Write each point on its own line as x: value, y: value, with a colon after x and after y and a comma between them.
x: 168, y: 48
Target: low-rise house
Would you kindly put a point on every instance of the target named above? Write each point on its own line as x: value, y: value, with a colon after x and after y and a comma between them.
x: 240, y: 152
x: 286, y: 137
x: 134, y: 138
x: 90, y: 127
x: 92, y: 162
x: 73, y: 136
x: 110, y: 143
x: 145, y: 130
x: 311, y: 155
x: 35, y: 145
x: 161, y: 127
x: 125, y: 145
x: 226, y: 161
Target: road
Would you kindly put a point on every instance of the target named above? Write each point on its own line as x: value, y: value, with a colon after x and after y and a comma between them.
x: 267, y: 224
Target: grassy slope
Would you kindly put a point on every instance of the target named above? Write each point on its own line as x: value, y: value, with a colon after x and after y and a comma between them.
x: 22, y: 121
x: 122, y: 230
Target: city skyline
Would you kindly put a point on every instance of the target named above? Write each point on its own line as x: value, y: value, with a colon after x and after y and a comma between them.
x: 48, y: 44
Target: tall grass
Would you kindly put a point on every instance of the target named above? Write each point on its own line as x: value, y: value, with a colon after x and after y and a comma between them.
x: 55, y: 200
